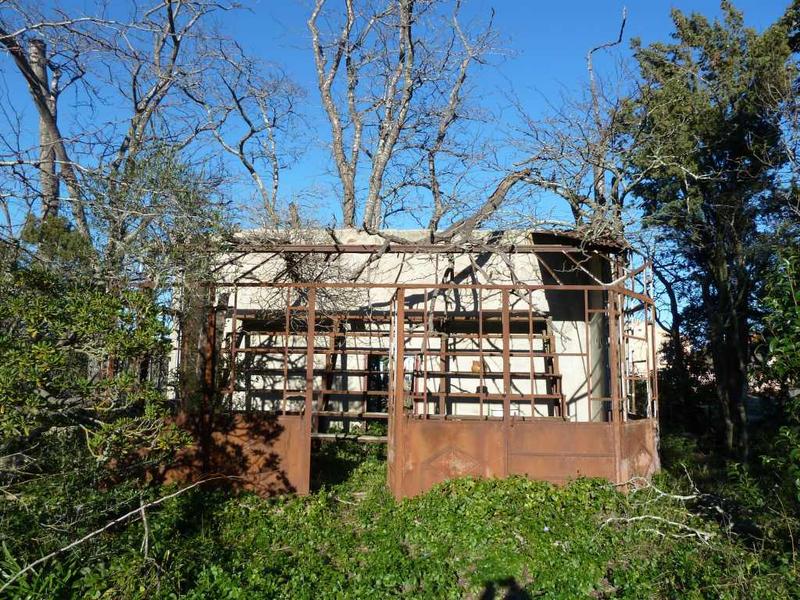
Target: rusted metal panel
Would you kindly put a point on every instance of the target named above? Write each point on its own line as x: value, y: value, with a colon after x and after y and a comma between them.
x: 639, y: 454
x: 558, y: 451
x: 439, y: 450
x: 547, y: 449
x: 264, y: 453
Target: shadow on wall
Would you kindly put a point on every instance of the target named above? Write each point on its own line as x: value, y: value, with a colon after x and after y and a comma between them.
x: 240, y: 447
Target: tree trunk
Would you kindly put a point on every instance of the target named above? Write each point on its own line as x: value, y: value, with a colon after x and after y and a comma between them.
x: 678, y: 366
x: 48, y: 180
x: 727, y: 421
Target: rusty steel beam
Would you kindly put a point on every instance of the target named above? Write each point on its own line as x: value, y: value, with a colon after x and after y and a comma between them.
x: 419, y: 249
x: 443, y: 286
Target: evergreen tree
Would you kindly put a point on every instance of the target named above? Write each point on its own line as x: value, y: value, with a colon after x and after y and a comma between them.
x: 709, y: 120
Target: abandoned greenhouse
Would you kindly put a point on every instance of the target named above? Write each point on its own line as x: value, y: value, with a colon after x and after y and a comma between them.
x: 527, y: 353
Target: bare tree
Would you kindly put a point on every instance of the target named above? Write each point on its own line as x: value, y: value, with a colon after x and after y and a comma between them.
x: 175, y: 83
x: 392, y: 77
x: 579, y: 151
x: 252, y: 114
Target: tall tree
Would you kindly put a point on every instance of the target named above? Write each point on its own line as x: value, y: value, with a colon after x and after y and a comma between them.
x: 153, y: 84
x: 393, y: 81
x: 711, y: 149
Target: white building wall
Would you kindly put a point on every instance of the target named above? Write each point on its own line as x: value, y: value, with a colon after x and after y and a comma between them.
x: 573, y: 335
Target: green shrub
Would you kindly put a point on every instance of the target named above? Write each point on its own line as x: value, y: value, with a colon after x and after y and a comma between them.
x: 462, y: 539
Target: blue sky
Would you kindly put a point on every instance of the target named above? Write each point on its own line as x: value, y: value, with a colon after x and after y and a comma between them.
x: 546, y: 41
x: 546, y: 44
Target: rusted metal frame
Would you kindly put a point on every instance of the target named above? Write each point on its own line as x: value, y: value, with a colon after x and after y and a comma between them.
x: 506, y: 325
x: 359, y: 351
x: 629, y: 391
x: 443, y: 286
x: 514, y: 353
x: 648, y: 344
x: 623, y: 367
x: 650, y: 329
x: 248, y: 379
x: 444, y: 367
x: 345, y: 414
x: 496, y: 287
x: 234, y: 320
x: 364, y: 439
x: 559, y: 383
x: 614, y: 360
x: 530, y: 347
x: 422, y: 248
x: 330, y: 361
x: 616, y: 305
x: 311, y: 317
x: 636, y: 337
x: 493, y: 374
x: 398, y: 421
x: 616, y: 422
x: 654, y: 352
x: 501, y: 396
x: 354, y: 393
x: 588, y: 353
x: 425, y: 348
x: 482, y: 390
x: 286, y: 351
x: 391, y: 354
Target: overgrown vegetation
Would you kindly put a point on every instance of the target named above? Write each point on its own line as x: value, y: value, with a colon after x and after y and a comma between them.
x: 465, y: 538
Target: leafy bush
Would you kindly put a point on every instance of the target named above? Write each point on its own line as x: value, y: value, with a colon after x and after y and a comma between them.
x: 464, y: 538
x: 783, y: 366
x: 81, y: 416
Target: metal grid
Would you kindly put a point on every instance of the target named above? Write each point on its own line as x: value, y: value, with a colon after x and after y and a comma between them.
x: 343, y: 366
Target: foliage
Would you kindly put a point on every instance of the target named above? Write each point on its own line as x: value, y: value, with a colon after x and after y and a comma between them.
x: 464, y: 538
x: 783, y: 366
x: 81, y: 413
x: 783, y: 319
x: 710, y: 151
x: 67, y: 350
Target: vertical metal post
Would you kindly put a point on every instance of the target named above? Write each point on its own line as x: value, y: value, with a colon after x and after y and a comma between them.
x: 309, y: 397
x: 311, y: 318
x: 506, y: 325
x: 616, y: 417
x: 506, y: 322
x: 286, y: 349
x: 482, y: 384
x: 531, y: 362
x: 588, y: 356
x: 425, y: 325
x: 234, y: 343
x: 443, y: 368
x: 397, y: 419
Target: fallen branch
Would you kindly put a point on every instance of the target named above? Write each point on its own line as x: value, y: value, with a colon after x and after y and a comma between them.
x: 703, y: 536
x: 136, y: 512
x: 642, y: 483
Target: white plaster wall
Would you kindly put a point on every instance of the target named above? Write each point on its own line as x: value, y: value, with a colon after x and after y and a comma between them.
x: 567, y: 309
